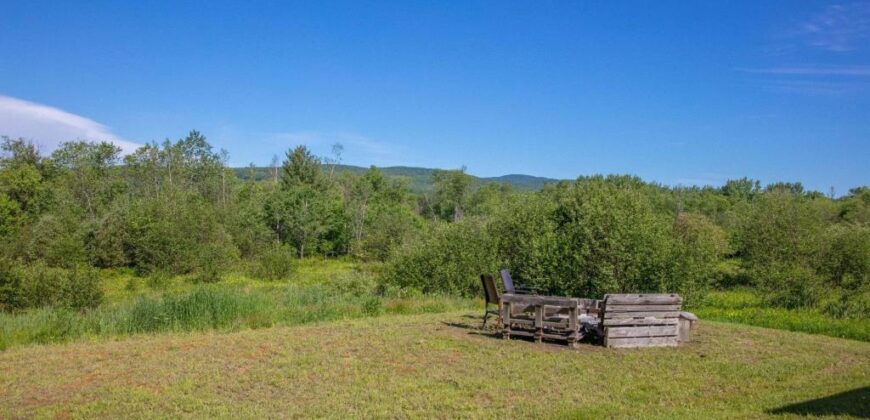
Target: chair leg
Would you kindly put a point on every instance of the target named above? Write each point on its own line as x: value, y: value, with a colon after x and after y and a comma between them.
x: 485, y: 316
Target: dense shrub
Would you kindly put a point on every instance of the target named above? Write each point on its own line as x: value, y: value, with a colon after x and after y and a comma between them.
x: 274, y: 263
x: 845, y: 267
x: 787, y: 285
x: 387, y: 229
x: 524, y: 233
x: 604, y: 235
x: 609, y: 240
x: 179, y: 234
x: 448, y: 258
x: 698, y: 245
x: 795, y: 256
x: 781, y: 227
x: 10, y: 286
x: 56, y: 240
x: 38, y: 285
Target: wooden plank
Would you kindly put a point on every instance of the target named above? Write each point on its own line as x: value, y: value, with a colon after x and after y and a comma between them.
x: 640, y: 321
x: 506, y: 319
x: 556, y: 336
x: 539, y: 300
x: 641, y: 314
x: 643, y: 299
x: 643, y: 331
x: 641, y: 342
x: 517, y: 309
x: 522, y: 333
x: 640, y: 308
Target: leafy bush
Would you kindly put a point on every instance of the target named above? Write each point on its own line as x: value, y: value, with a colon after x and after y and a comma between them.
x: 697, y: 248
x: 55, y: 240
x: 10, y: 286
x: 274, y: 263
x: 605, y: 235
x: 448, y: 258
x: 178, y: 233
x: 38, y: 285
x: 787, y: 285
x: 213, y: 259
x: 81, y: 288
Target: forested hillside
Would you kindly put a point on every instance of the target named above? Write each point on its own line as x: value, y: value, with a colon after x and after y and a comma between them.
x: 176, y: 208
x: 419, y: 179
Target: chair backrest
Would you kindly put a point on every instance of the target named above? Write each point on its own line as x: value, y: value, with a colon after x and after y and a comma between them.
x: 489, y: 290
x: 507, y: 281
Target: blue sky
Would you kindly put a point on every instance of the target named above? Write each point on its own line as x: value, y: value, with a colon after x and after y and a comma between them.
x: 675, y: 92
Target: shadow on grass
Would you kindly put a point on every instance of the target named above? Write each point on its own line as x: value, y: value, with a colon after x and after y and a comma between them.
x: 493, y: 332
x: 854, y: 403
x: 475, y: 328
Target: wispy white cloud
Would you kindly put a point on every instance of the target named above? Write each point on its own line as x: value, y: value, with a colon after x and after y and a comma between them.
x: 705, y: 179
x: 48, y: 126
x: 815, y: 79
x: 815, y: 87
x: 838, y: 28
x: 356, y: 145
x: 813, y: 70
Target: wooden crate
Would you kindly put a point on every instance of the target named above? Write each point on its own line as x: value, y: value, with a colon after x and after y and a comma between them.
x: 641, y: 320
x: 540, y: 317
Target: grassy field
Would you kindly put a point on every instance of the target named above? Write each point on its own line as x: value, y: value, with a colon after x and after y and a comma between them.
x: 319, y: 290
x: 435, y: 365
x: 746, y: 307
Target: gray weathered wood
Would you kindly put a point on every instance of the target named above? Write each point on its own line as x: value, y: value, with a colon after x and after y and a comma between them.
x: 539, y: 300
x: 641, y: 308
x: 641, y: 342
x: 639, y: 321
x: 688, y: 321
x: 642, y: 331
x: 643, y: 299
x: 640, y: 314
x: 549, y: 317
x: 506, y: 319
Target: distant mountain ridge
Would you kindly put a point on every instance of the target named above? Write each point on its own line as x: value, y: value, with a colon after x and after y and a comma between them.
x: 420, y: 179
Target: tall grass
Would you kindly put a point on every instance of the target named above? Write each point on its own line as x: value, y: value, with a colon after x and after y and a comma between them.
x: 227, y: 306
x: 746, y: 307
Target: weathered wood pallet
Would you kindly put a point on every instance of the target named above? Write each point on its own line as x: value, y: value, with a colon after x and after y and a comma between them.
x: 640, y: 320
x: 541, y: 317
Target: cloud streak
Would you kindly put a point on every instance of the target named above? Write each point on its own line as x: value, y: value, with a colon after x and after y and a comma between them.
x: 49, y: 126
x: 354, y: 144
x: 838, y: 28
x: 813, y: 70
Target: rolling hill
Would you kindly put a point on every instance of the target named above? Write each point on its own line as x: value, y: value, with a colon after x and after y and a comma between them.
x: 420, y: 179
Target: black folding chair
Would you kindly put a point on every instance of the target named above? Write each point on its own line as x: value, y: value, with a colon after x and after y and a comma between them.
x: 508, y: 283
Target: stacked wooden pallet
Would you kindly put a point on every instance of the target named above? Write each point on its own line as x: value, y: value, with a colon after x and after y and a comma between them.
x: 641, y: 320
x: 540, y: 317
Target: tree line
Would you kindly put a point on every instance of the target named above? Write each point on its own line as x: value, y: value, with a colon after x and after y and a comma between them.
x: 176, y: 208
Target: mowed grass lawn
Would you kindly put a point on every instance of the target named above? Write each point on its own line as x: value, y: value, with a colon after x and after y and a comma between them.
x: 434, y: 365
